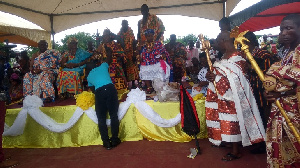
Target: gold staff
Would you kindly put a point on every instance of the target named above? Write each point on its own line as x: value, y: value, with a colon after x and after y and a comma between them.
x: 206, y: 47
x: 245, y: 48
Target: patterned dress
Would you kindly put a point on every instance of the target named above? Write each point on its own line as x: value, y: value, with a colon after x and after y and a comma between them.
x: 231, y: 111
x: 178, y: 56
x: 42, y: 83
x: 116, y: 70
x: 127, y: 39
x: 152, y: 65
x: 69, y: 80
x: 283, y: 150
x: 153, y: 22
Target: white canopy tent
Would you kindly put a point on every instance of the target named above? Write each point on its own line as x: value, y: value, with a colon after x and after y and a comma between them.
x: 18, y: 30
x: 59, y: 15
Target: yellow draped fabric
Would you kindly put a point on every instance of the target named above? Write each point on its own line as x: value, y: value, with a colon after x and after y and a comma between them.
x: 133, y: 127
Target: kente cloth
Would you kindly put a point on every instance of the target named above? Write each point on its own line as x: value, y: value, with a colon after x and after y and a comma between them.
x: 283, y: 150
x: 191, y: 53
x: 42, y: 83
x: 118, y: 59
x: 155, y: 63
x: 119, y: 78
x: 69, y: 79
x: 126, y: 40
x: 231, y: 111
x: 264, y: 60
x: 178, y: 56
x: 153, y: 22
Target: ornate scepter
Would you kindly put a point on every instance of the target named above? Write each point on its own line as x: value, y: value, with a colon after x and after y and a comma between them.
x: 206, y: 47
x: 239, y: 40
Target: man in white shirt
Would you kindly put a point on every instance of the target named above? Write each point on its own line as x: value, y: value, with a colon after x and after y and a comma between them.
x: 203, y: 82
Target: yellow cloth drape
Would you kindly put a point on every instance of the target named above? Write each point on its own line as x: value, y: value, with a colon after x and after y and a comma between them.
x: 133, y: 127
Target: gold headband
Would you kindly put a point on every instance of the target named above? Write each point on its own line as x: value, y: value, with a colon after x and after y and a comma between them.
x: 72, y: 39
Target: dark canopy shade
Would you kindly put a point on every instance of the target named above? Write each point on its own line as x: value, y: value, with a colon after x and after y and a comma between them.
x: 265, y: 14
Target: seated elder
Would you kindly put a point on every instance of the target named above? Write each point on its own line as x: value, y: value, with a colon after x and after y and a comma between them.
x: 155, y: 61
x: 39, y: 81
x: 73, y: 63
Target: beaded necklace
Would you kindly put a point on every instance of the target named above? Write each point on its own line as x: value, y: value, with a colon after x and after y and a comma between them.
x: 285, y: 61
x: 149, y: 46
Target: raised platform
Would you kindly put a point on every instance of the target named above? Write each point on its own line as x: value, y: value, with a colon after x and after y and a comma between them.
x: 133, y: 126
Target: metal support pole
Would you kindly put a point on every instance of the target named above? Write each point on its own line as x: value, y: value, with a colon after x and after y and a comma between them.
x: 224, y: 8
x: 52, y: 31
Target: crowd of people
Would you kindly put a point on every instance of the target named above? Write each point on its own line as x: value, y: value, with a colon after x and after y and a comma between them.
x: 239, y: 107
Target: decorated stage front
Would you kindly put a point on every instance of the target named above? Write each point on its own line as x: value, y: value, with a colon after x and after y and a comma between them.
x: 76, y: 127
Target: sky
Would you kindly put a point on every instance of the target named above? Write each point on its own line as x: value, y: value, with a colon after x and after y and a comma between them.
x: 174, y: 24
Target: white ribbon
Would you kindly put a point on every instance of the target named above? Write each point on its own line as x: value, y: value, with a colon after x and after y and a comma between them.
x: 31, y: 106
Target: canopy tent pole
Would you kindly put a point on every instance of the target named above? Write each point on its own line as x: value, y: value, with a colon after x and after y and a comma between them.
x: 52, y: 31
x: 224, y: 8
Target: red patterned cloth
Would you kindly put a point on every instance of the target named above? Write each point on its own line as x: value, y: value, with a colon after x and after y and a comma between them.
x: 231, y: 111
x: 283, y: 150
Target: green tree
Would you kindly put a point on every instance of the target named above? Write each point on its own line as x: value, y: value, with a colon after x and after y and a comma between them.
x: 185, y: 39
x: 82, y: 38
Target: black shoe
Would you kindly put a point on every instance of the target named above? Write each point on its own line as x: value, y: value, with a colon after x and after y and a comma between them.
x: 258, y: 150
x: 107, y: 145
x: 115, y: 142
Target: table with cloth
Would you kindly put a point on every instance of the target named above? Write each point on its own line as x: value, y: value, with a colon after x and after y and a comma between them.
x: 134, y: 126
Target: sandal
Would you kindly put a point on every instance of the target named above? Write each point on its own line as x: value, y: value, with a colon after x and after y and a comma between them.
x: 231, y: 157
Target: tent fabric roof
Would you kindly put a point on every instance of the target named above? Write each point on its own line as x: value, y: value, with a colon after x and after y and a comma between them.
x: 70, y: 13
x: 24, y: 36
x: 20, y: 31
x: 265, y: 14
